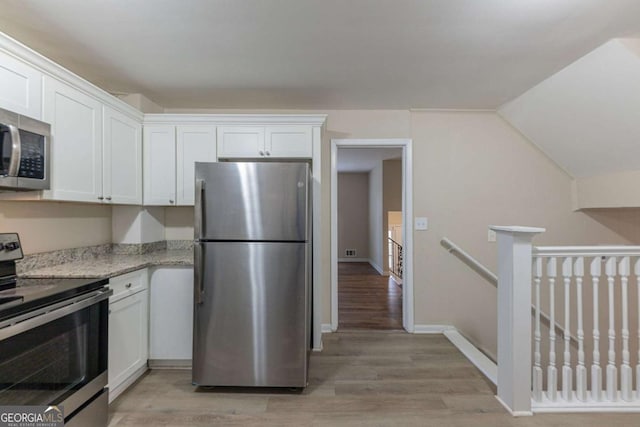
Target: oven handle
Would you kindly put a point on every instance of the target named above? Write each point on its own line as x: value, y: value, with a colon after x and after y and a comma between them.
x: 47, y: 315
x: 16, y: 150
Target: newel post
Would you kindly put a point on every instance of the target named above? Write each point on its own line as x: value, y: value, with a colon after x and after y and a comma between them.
x: 514, y: 316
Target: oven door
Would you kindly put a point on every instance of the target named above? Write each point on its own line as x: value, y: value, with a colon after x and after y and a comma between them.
x: 57, y: 357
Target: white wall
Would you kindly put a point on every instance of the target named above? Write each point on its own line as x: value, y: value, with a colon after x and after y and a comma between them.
x: 375, y: 218
x: 136, y: 224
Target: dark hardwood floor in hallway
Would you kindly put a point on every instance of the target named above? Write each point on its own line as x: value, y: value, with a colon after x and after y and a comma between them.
x: 367, y: 300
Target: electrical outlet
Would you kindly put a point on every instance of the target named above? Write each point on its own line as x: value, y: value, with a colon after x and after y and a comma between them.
x: 350, y: 253
x: 491, y: 235
x: 421, y: 223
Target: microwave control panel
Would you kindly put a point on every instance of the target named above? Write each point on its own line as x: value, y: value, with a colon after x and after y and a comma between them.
x: 32, y: 155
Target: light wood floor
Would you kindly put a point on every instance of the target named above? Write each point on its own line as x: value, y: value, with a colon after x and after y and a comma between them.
x: 367, y: 300
x: 360, y: 379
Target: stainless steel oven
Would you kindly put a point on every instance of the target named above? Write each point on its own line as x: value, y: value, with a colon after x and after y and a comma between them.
x: 24, y: 153
x: 53, y: 341
x: 56, y: 354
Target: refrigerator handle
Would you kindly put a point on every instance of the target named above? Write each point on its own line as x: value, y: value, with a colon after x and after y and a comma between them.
x: 197, y: 272
x: 197, y: 227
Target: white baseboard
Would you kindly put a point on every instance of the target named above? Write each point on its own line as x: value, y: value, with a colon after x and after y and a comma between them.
x: 432, y: 329
x: 326, y: 328
x: 117, y: 391
x: 378, y: 268
x: 170, y: 363
x: 475, y: 356
x: 514, y: 413
x: 353, y: 259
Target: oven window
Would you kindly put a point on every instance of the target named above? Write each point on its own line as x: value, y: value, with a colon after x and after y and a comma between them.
x: 5, y: 150
x: 31, y: 155
x: 47, y: 364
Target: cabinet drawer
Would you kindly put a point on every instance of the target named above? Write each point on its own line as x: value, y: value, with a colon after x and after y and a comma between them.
x: 128, y: 284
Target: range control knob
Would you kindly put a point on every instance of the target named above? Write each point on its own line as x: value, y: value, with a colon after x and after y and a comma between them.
x: 11, y: 246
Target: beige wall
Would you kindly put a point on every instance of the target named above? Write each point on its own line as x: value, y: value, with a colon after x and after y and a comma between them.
x: 391, y: 200
x: 472, y: 170
x: 178, y: 223
x: 47, y: 226
x: 353, y: 214
x: 375, y: 218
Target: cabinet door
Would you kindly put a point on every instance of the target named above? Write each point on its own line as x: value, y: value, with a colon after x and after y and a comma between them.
x: 122, y: 159
x: 194, y: 144
x: 76, y: 142
x: 288, y: 141
x: 20, y: 87
x: 171, y: 315
x: 240, y: 141
x: 128, y: 338
x: 159, y: 152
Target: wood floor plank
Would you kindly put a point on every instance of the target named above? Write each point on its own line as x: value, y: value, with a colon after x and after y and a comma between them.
x: 366, y: 299
x: 422, y: 381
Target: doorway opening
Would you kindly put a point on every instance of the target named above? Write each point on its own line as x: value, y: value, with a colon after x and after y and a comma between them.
x: 371, y: 250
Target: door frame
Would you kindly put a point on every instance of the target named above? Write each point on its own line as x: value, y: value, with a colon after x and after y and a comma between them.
x: 407, y: 221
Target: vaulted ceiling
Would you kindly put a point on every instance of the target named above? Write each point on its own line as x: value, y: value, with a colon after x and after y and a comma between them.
x: 319, y: 53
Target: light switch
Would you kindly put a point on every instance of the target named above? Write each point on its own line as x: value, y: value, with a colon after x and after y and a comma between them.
x: 491, y: 235
x: 422, y: 223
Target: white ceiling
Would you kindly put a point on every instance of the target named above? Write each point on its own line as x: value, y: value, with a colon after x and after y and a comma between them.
x: 586, y: 117
x: 318, y: 53
x: 364, y: 159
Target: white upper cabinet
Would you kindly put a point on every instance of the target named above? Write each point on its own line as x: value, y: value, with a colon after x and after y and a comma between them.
x: 76, y: 142
x: 194, y: 144
x: 159, y: 166
x: 122, y: 159
x: 286, y: 141
x: 20, y: 87
x: 240, y: 141
x: 289, y: 141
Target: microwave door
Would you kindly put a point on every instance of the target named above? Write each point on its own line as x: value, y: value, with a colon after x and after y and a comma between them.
x: 9, y: 152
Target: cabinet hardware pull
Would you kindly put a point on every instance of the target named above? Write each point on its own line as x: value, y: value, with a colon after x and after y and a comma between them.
x: 100, y: 198
x: 261, y: 153
x: 268, y: 153
x: 171, y: 201
x: 108, y: 198
x: 128, y: 285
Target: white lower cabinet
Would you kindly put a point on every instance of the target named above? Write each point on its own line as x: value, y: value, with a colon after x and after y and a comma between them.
x: 171, y: 317
x: 128, y: 330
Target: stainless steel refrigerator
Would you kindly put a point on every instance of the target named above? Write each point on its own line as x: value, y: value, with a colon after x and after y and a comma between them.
x: 252, y: 274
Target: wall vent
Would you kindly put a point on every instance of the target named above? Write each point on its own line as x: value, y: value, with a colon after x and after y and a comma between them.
x: 350, y: 252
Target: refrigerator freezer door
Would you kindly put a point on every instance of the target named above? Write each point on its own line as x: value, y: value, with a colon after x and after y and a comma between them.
x: 252, y: 201
x: 251, y: 324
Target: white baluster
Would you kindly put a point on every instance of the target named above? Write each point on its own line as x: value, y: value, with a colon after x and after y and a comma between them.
x: 626, y: 379
x: 567, y: 372
x: 596, y: 370
x: 581, y: 370
x: 552, y: 371
x: 612, y: 370
x: 537, y: 368
x: 636, y: 271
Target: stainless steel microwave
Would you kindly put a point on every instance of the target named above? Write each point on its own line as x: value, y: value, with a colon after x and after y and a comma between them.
x: 24, y: 153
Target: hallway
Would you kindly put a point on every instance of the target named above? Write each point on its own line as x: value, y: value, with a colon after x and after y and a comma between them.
x: 367, y: 300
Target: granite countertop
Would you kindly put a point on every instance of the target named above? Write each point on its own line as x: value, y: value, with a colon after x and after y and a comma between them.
x: 110, y: 265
